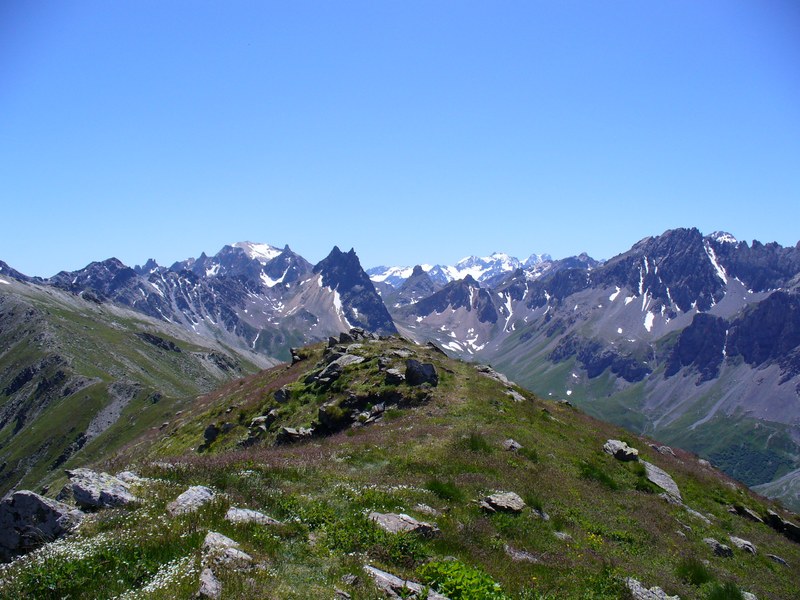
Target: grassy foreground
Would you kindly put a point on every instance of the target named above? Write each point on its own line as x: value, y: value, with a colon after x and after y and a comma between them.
x: 590, y: 522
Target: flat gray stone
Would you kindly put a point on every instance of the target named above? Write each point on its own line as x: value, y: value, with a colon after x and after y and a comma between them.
x: 620, y: 450
x: 718, y: 548
x: 639, y: 592
x: 190, y: 500
x: 503, y: 502
x: 520, y: 555
x: 99, y: 490
x: 515, y: 395
x: 512, y: 445
x: 395, y: 588
x: 245, y: 515
x: 662, y: 479
x: 777, y: 559
x: 402, y: 523
x: 745, y: 545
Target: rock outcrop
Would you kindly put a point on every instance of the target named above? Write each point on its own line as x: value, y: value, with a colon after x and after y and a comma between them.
x: 245, y: 515
x: 639, y: 592
x: 28, y: 520
x: 190, y: 500
x: 620, y: 450
x: 402, y: 523
x: 662, y: 479
x: 92, y: 490
x: 395, y: 588
x: 418, y: 373
x: 718, y: 548
x: 503, y: 502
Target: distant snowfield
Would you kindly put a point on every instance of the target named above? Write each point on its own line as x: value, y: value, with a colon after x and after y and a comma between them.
x: 260, y: 252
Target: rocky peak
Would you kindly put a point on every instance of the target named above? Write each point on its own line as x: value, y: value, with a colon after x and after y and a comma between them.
x: 361, y: 304
x: 6, y: 271
x: 464, y: 293
x: 151, y: 266
x: 103, y: 277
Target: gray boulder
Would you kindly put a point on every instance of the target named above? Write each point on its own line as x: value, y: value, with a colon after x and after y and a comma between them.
x: 639, y: 592
x: 394, y: 377
x: 777, y: 559
x: 190, y: 500
x: 28, y: 520
x: 662, y: 479
x: 620, y: 450
x: 264, y: 421
x: 210, y: 587
x: 402, y: 523
x: 515, y: 395
x: 489, y: 372
x: 512, y: 445
x: 93, y: 490
x: 503, y: 502
x: 211, y: 433
x: 418, y: 373
x: 395, y: 588
x: 787, y: 528
x: 520, y: 555
x: 748, y: 513
x: 718, y: 548
x: 224, y: 551
x: 245, y: 515
x: 289, y: 435
x: 745, y: 545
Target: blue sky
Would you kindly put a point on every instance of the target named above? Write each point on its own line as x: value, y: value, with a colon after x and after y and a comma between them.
x: 412, y: 131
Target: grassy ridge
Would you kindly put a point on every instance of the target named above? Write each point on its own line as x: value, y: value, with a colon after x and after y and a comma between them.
x: 442, y: 449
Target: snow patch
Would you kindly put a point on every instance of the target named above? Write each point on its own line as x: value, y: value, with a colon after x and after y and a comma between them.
x: 629, y: 299
x: 263, y: 253
x: 4, y: 281
x: 569, y: 392
x: 713, y: 258
x: 613, y: 296
x: 337, y: 304
x: 619, y: 330
x: 269, y: 282
x: 510, y: 312
x: 648, y: 320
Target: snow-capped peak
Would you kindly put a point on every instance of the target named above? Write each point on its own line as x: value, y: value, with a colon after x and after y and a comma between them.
x: 537, y: 259
x: 723, y: 237
x: 263, y: 253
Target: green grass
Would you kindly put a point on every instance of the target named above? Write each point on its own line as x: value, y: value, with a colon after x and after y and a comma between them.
x: 442, y: 451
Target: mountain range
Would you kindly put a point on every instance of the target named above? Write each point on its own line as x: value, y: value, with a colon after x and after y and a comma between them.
x: 691, y: 339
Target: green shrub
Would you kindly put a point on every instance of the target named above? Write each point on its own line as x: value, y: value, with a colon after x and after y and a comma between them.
x: 530, y: 453
x: 595, y: 472
x: 725, y: 591
x: 458, y: 581
x: 475, y: 442
x: 445, y: 490
x: 693, y: 571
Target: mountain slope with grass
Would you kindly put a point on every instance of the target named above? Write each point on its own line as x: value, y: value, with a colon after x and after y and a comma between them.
x: 372, y: 463
x: 78, y: 378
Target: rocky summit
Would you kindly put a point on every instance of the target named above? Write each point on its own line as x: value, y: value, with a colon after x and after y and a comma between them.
x: 401, y: 473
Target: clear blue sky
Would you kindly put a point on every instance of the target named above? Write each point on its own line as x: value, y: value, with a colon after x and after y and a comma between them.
x: 412, y: 131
